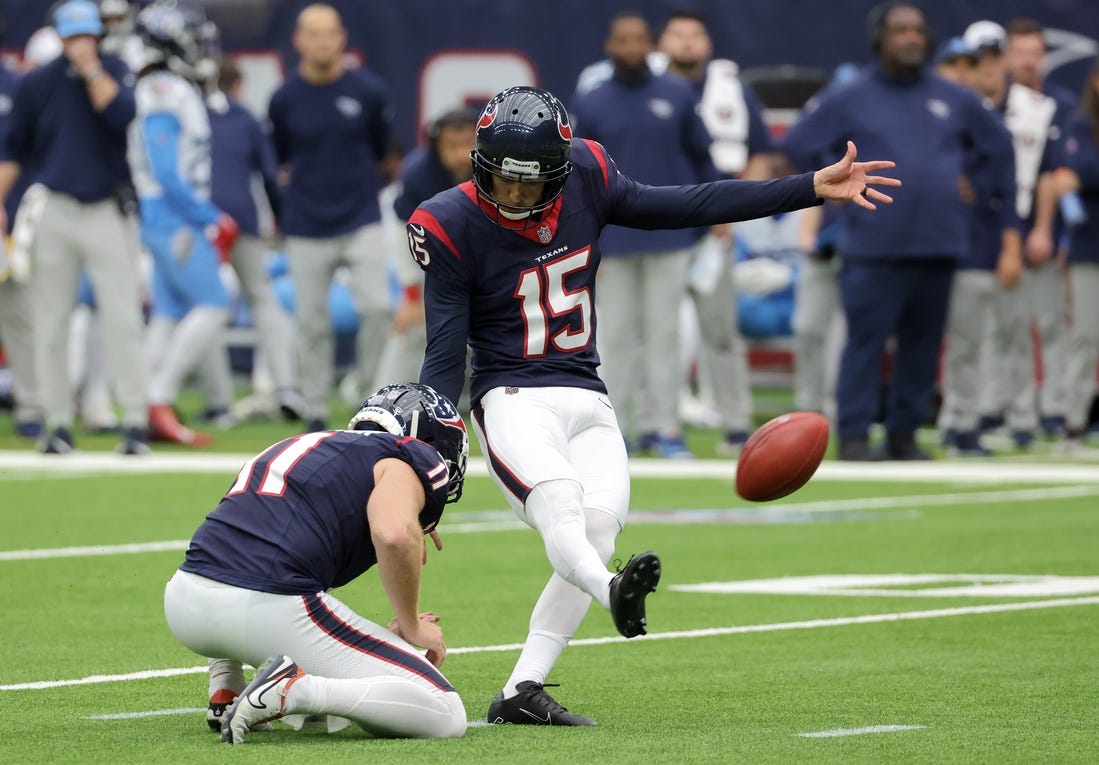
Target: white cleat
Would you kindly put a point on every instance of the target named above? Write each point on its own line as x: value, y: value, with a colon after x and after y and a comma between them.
x: 263, y: 700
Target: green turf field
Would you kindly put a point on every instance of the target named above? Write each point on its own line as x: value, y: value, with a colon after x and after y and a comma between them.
x: 993, y: 661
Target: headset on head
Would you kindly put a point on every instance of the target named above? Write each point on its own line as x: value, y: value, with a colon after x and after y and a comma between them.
x: 875, y: 22
x: 455, y: 118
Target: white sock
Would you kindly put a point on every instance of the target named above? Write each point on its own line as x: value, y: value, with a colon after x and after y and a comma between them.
x: 556, y: 510
x: 226, y: 675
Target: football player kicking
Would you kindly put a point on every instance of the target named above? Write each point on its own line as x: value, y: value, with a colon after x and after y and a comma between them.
x: 308, y: 514
x: 510, y: 260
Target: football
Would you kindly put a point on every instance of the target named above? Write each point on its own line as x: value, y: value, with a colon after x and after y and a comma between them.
x: 781, y: 456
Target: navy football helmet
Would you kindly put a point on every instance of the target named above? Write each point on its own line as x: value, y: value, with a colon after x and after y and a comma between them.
x: 411, y: 409
x: 523, y: 134
x: 174, y: 35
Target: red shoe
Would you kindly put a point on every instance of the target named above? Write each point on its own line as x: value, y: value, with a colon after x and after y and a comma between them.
x: 165, y: 426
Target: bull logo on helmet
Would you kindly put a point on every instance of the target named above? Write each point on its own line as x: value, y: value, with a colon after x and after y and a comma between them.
x: 488, y: 116
x: 563, y: 128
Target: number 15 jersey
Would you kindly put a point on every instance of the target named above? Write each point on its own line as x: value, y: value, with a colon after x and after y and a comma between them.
x: 524, y: 300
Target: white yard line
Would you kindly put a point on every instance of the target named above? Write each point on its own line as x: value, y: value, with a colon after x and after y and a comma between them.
x: 745, y: 629
x: 150, y: 713
x: 504, y: 520
x: 26, y: 464
x: 838, y: 732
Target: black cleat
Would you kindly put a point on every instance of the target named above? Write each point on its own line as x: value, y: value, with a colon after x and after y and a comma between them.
x: 532, y: 706
x: 629, y: 587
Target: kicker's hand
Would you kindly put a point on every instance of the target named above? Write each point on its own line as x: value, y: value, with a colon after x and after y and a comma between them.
x: 851, y: 181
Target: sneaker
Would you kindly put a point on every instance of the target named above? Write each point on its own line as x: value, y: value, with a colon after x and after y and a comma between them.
x: 948, y: 438
x: 219, y: 702
x: 672, y: 448
x: 629, y: 587
x: 989, y: 422
x: 646, y: 442
x: 135, y: 441
x: 1053, y: 425
x: 218, y: 417
x: 532, y: 706
x: 857, y: 450
x: 291, y: 404
x: 28, y: 429
x: 262, y: 701
x: 903, y: 447
x: 731, y: 445
x: 165, y: 426
x: 315, y: 425
x: 1023, y: 439
x: 968, y: 444
x: 59, y: 441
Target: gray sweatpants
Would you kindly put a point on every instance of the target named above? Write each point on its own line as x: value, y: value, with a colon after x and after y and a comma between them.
x: 17, y: 339
x: 723, y: 349
x: 313, y: 263
x: 1083, y: 345
x: 70, y: 238
x: 971, y: 304
x: 274, y: 326
x: 637, y: 302
x: 1046, y: 288
x: 1007, y: 359
x: 819, y: 330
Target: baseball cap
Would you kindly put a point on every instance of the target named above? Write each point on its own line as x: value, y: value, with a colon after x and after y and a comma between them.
x: 984, y: 35
x: 953, y: 48
x: 77, y: 17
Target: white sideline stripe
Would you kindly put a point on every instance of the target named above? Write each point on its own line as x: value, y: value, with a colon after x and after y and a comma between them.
x: 92, y: 463
x: 901, y: 616
x: 860, y: 731
x: 638, y: 517
x: 151, y: 713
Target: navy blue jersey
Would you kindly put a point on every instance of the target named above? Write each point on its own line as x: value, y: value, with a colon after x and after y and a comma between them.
x: 422, y: 177
x: 294, y: 522
x: 525, y: 300
x: 933, y: 129
x: 1082, y: 155
x: 332, y: 136
x: 54, y: 127
x: 239, y: 149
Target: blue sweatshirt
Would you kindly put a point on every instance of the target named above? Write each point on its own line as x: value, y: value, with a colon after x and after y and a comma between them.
x: 993, y: 181
x: 1082, y: 156
x: 332, y: 137
x: 74, y: 149
x: 422, y: 177
x: 9, y: 83
x: 652, y: 130
x: 240, y: 148
x: 933, y: 129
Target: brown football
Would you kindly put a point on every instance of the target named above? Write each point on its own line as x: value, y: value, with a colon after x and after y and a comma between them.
x: 781, y: 456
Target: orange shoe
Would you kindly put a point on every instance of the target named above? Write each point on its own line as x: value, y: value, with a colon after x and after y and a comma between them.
x: 165, y: 426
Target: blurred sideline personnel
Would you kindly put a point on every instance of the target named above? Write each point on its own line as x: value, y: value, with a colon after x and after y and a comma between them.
x: 119, y: 38
x: 1010, y: 394
x: 985, y: 286
x: 442, y: 163
x: 74, y: 112
x: 898, y: 266
x: 510, y: 260
x: 241, y: 150
x: 332, y: 129
x: 186, y: 233
x: 1044, y: 285
x: 741, y: 147
x: 15, y: 307
x: 644, y: 275
x: 308, y: 514
x: 1082, y: 176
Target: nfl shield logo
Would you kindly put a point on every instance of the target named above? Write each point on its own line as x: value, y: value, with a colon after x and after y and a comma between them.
x: 544, y: 234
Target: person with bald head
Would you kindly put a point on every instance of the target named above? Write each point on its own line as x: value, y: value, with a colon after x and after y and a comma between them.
x: 331, y: 127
